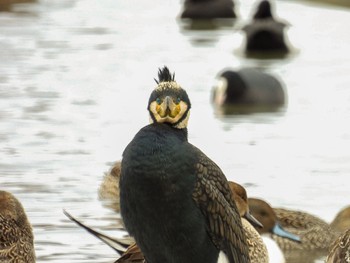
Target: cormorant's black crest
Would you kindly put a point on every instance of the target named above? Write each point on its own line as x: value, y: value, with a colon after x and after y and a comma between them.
x: 165, y: 75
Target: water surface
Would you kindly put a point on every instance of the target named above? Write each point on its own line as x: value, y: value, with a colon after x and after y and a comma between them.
x: 75, y: 76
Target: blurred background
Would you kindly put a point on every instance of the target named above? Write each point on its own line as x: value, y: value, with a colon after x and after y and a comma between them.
x: 75, y: 77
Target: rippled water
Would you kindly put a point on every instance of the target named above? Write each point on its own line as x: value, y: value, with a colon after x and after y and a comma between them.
x: 75, y: 76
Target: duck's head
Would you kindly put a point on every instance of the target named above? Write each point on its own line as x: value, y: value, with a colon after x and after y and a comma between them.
x: 169, y: 103
x: 241, y: 199
x: 263, y: 212
x: 342, y: 220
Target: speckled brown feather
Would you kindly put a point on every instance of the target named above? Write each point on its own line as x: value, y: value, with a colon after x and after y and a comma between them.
x: 133, y: 254
x: 257, y: 249
x: 213, y: 196
x: 109, y: 188
x: 16, y: 237
x: 313, y: 231
x: 341, y: 221
x: 340, y: 249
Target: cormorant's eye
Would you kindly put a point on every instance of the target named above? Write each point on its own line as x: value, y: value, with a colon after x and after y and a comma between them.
x: 178, y: 100
x: 158, y: 100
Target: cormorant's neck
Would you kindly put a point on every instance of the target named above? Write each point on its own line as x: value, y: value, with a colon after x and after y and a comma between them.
x: 182, y: 133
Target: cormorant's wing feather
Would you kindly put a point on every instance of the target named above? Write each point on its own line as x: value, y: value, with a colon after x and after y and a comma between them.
x: 213, y: 196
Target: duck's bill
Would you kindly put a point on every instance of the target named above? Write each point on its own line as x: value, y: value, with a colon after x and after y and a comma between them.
x: 279, y: 231
x: 252, y: 220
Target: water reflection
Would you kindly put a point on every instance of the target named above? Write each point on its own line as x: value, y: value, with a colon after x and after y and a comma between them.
x: 6, y: 5
x: 341, y: 3
x: 246, y: 109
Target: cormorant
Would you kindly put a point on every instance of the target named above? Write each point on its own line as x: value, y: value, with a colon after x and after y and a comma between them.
x: 265, y: 33
x: 248, y: 86
x: 175, y: 201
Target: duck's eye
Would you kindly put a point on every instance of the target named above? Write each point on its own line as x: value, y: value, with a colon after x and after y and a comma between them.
x: 178, y: 100
x: 158, y: 100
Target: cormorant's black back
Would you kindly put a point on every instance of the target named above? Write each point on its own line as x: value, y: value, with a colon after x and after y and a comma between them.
x: 158, y: 164
x: 175, y: 202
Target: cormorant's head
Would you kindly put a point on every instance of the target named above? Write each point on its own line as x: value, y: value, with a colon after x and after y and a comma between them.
x: 263, y: 10
x: 169, y: 103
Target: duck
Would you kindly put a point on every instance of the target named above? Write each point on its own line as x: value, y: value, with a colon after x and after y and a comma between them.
x: 265, y: 34
x: 131, y: 253
x: 314, y: 234
x: 208, y: 9
x: 340, y: 249
x: 6, y: 5
x: 172, y: 196
x: 341, y: 221
x: 258, y: 251
x: 248, y: 87
x: 264, y: 212
x: 271, y: 227
x: 109, y: 187
x: 16, y: 234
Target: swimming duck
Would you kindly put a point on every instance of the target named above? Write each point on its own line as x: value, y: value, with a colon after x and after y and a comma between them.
x: 172, y: 196
x: 208, y: 9
x: 262, y: 210
x: 109, y: 188
x: 340, y: 249
x: 271, y: 228
x: 314, y: 233
x: 16, y: 235
x: 265, y: 33
x: 248, y: 86
x: 131, y: 253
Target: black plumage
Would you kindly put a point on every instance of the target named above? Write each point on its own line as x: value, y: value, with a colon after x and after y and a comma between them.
x: 208, y: 9
x: 263, y: 10
x: 165, y: 75
x: 175, y: 201
x: 265, y: 33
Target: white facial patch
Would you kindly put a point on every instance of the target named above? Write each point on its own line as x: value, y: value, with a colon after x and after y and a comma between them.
x: 220, y: 91
x: 184, y: 122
